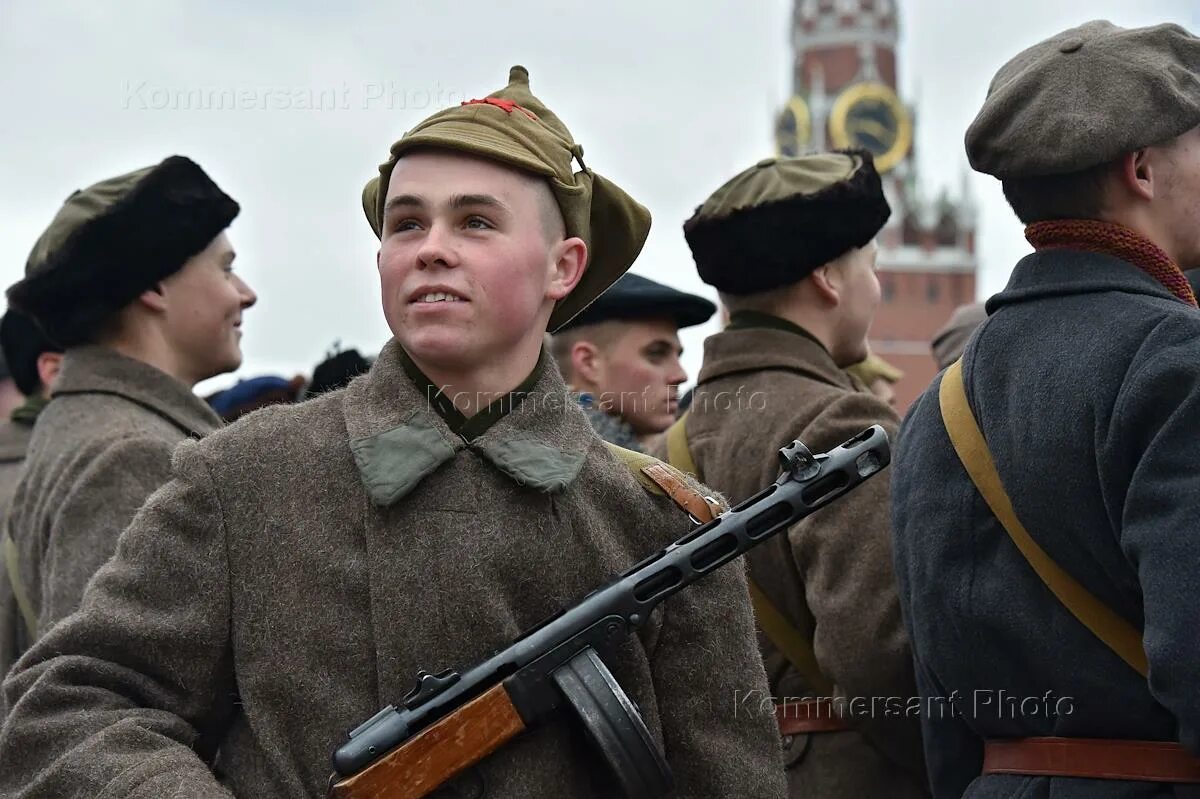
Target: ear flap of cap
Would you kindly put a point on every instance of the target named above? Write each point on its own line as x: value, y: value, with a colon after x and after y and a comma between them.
x: 370, y: 204
x: 617, y: 230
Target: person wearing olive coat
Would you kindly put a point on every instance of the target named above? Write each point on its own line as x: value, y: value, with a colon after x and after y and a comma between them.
x: 789, y: 244
x: 133, y: 279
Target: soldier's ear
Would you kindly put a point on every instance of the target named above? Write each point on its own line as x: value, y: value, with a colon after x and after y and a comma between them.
x: 568, y: 262
x: 1138, y: 173
x: 826, y: 282
x: 587, y: 363
x: 154, y: 298
x: 48, y: 365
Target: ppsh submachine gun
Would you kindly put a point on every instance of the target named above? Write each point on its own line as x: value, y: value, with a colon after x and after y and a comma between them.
x: 454, y: 719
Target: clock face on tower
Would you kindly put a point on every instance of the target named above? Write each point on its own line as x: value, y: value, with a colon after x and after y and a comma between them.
x: 793, y: 129
x: 870, y: 116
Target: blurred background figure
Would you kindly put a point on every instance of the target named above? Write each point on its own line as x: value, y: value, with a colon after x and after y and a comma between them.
x: 254, y: 393
x: 32, y: 361
x: 622, y: 356
x: 10, y: 397
x: 877, y: 375
x: 337, y: 370
x: 949, y: 341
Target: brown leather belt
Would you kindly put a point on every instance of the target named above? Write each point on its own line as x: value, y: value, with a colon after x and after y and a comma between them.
x: 808, y: 716
x: 1094, y: 758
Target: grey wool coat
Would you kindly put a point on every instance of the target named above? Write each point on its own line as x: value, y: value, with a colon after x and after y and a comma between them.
x: 1085, y: 380
x: 99, y: 449
x: 831, y: 574
x: 305, y: 563
x: 14, y: 440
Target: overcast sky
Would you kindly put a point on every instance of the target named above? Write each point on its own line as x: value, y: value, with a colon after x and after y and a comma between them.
x: 669, y: 99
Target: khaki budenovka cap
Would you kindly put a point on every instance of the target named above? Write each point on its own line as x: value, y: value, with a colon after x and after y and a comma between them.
x: 1087, y: 96
x: 514, y: 128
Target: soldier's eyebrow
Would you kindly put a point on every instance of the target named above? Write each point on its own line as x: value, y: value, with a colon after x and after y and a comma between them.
x: 665, y: 344
x: 403, y: 200
x: 458, y: 202
x: 461, y: 201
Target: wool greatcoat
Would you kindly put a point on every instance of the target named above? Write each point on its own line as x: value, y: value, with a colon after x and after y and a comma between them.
x: 99, y: 449
x: 1085, y: 380
x: 14, y: 441
x: 761, y: 386
x: 305, y: 563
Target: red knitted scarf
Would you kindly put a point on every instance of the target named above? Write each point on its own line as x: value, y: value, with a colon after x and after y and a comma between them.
x: 1109, y: 238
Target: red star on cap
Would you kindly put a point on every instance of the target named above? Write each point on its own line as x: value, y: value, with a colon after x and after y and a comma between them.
x: 507, y: 105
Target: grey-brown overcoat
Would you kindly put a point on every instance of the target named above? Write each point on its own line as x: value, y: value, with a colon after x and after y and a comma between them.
x: 306, y: 562
x: 14, y: 440
x: 831, y: 575
x: 99, y: 449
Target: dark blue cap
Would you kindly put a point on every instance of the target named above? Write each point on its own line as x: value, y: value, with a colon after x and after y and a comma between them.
x: 637, y: 297
x: 247, y: 392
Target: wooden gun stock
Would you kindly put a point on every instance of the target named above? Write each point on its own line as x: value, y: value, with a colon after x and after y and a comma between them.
x: 439, y: 752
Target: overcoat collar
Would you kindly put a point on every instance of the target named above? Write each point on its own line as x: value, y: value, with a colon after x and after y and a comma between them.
x: 398, y: 439
x: 94, y: 369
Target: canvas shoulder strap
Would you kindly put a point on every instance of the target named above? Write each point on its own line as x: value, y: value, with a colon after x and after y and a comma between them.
x: 1115, y: 632
x: 678, y: 453
x: 796, y: 647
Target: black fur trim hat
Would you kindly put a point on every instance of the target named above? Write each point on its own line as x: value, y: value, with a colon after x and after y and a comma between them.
x: 115, y: 239
x: 776, y: 222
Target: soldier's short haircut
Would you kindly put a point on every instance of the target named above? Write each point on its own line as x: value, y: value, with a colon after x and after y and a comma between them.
x: 553, y: 224
x: 601, y: 334
x: 1076, y: 195
x: 773, y: 301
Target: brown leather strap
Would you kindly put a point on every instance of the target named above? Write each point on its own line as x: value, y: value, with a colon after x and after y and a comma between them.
x: 1093, y: 758
x: 808, y: 716
x: 701, y: 508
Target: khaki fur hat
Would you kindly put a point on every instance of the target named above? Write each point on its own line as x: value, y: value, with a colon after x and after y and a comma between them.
x: 1087, y: 96
x: 115, y: 239
x: 513, y: 127
x: 774, y: 223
